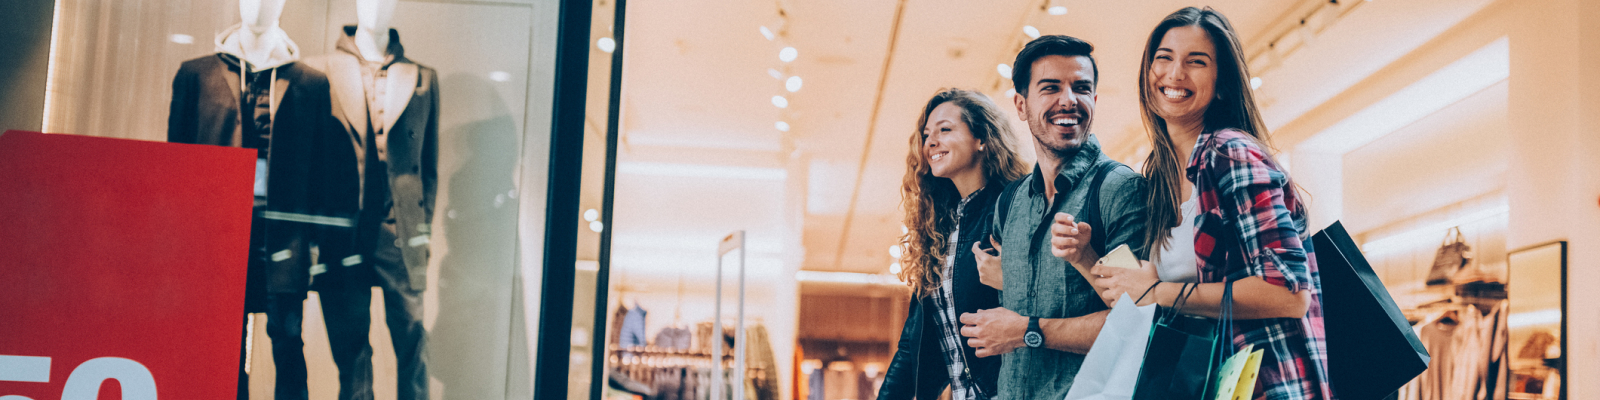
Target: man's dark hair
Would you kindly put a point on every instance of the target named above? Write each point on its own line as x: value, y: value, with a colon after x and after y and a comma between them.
x: 1049, y: 45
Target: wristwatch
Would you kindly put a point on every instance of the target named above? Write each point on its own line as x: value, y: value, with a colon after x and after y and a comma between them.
x: 1035, y: 337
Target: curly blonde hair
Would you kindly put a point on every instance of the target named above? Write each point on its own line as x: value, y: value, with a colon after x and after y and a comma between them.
x: 930, y: 201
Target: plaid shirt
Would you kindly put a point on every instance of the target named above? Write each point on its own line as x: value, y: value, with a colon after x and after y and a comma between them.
x: 949, y: 326
x: 1237, y: 182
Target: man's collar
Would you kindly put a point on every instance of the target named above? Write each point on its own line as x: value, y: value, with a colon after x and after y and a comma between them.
x: 1072, y: 170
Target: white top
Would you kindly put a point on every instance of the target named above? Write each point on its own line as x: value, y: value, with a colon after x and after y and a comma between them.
x: 1175, y: 262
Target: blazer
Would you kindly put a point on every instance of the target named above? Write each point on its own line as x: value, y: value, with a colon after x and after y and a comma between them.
x: 205, y: 110
x: 412, y: 123
x: 918, y: 368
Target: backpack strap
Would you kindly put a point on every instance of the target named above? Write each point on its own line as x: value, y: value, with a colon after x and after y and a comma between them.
x: 1003, y: 206
x: 1092, y: 211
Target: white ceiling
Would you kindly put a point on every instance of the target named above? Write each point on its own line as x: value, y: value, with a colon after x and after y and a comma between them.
x: 700, y: 155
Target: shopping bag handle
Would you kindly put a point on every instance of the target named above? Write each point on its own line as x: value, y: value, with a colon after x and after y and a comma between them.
x: 1225, y: 325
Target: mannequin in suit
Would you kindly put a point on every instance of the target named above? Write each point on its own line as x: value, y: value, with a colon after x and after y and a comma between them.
x: 252, y: 93
x: 387, y: 168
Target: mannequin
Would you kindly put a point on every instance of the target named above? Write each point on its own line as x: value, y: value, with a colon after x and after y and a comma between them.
x: 373, y: 16
x: 252, y: 93
x: 386, y: 173
x: 261, y: 33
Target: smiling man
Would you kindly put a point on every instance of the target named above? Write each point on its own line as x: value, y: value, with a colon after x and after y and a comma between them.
x: 1076, y: 205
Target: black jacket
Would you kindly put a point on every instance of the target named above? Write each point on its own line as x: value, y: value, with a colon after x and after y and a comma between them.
x: 918, y: 369
x: 205, y: 110
x: 412, y: 123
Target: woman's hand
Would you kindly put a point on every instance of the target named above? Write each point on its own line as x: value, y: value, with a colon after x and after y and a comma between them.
x: 1114, y: 281
x: 1069, y: 240
x: 989, y: 265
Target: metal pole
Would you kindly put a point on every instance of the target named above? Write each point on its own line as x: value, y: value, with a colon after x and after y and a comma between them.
x: 739, y: 338
x: 716, y: 336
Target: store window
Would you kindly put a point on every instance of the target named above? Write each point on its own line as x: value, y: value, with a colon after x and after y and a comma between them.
x: 451, y: 100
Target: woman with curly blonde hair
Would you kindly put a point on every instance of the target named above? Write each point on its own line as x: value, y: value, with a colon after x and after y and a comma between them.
x: 960, y: 159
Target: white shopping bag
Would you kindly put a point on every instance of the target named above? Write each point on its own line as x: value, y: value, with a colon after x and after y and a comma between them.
x: 1111, y: 368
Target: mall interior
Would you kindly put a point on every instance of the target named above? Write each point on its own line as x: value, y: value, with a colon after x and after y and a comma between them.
x: 741, y: 165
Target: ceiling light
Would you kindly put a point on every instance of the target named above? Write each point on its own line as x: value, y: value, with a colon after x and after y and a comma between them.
x: 1031, y: 31
x: 767, y: 33
x: 1057, y: 10
x: 1005, y: 70
x: 780, y: 102
x: 774, y: 73
x: 596, y: 226
x: 1255, y: 83
x: 894, y: 251
x: 499, y: 76
x: 591, y: 215
x: 788, y: 54
x: 903, y: 230
x: 793, y: 84
x: 894, y: 268
x: 606, y: 44
x: 1010, y: 93
x: 782, y: 126
x: 180, y: 38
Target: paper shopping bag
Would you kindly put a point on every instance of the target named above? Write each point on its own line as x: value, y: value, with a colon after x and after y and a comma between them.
x: 1111, y: 368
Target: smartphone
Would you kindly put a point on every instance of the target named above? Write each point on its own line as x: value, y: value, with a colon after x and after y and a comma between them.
x: 1121, y: 257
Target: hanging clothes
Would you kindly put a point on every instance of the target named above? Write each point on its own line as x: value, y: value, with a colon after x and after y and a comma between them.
x: 633, y: 328
x: 674, y: 338
x: 1468, y: 350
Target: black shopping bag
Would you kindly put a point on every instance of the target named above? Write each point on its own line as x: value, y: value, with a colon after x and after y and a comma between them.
x: 1185, y: 353
x: 1372, y: 350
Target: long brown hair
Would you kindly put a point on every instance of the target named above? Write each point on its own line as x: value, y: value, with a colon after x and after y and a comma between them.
x: 1234, y: 107
x: 930, y: 201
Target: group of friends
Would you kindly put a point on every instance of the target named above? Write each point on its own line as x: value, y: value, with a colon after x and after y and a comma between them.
x: 993, y: 251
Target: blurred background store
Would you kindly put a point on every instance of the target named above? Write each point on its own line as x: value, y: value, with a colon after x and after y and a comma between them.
x: 1403, y: 120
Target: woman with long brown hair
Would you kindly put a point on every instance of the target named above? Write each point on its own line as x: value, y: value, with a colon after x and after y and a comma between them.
x: 961, y: 157
x: 1222, y: 209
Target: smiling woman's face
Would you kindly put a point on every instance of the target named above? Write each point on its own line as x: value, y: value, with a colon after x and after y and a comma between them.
x: 947, y: 142
x: 1183, y: 74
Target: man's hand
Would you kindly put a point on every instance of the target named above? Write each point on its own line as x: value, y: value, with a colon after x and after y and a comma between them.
x: 989, y: 265
x: 993, y: 331
x: 1069, y: 240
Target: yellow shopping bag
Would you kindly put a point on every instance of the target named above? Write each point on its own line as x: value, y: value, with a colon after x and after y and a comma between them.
x: 1237, y: 378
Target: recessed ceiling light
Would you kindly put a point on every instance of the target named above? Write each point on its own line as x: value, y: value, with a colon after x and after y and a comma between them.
x: 894, y: 268
x: 903, y: 230
x: 1012, y: 92
x: 894, y: 251
x: 782, y: 126
x: 780, y: 102
x: 788, y: 54
x: 499, y: 76
x: 596, y: 226
x: 180, y: 38
x: 1004, y: 70
x: 1057, y: 10
x: 606, y: 44
x: 774, y: 73
x: 1255, y: 83
x: 591, y: 215
x: 793, y: 84
x: 1031, y: 31
x: 766, y: 33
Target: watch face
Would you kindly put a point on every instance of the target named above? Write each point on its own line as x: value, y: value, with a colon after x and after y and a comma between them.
x: 1033, y: 339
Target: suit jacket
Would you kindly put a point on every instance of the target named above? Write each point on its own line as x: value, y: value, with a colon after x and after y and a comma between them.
x: 412, y: 122
x: 205, y: 110
x: 918, y: 369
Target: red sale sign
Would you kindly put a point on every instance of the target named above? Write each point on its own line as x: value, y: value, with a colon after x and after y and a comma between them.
x: 122, y: 267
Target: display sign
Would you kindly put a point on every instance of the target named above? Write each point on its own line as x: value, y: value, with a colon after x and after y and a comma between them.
x: 122, y: 267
